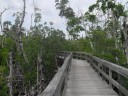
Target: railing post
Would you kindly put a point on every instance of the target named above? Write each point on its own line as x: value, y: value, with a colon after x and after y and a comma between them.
x: 85, y: 57
x: 92, y: 63
x: 99, y: 65
x: 110, y: 75
x: 77, y: 55
x: 119, y: 80
x: 102, y: 71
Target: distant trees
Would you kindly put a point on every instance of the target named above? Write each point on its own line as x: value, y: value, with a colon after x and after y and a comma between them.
x: 1, y: 15
x: 103, y: 25
x: 31, y: 51
x: 73, y: 22
x: 113, y: 14
x: 106, y: 33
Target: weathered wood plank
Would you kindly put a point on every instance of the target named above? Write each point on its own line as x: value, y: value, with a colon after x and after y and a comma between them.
x: 99, y: 64
x: 84, y: 81
x: 120, y: 87
x: 56, y: 86
x: 114, y: 67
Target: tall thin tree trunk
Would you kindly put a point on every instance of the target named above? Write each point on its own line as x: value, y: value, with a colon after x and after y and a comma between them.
x: 10, y: 74
x: 126, y: 50
x: 19, y: 32
x: 126, y: 38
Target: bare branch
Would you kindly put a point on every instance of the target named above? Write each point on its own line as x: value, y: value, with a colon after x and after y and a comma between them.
x: 4, y: 11
x: 1, y: 13
x: 23, y: 15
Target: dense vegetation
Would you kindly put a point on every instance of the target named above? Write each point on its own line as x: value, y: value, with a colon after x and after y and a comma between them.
x: 105, y: 28
x: 106, y: 36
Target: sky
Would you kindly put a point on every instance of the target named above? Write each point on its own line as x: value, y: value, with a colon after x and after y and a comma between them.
x: 48, y: 10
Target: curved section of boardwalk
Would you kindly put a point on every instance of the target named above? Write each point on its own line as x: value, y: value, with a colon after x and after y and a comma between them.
x: 84, y: 81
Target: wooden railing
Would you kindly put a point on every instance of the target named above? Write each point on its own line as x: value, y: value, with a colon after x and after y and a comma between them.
x: 56, y: 86
x: 114, y: 74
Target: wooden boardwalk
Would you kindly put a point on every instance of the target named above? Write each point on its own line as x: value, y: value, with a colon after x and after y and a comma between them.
x: 84, y: 81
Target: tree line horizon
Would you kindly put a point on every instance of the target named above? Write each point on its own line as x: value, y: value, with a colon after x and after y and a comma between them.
x: 30, y: 58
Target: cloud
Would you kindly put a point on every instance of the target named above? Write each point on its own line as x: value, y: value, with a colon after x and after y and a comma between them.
x: 80, y: 6
x: 48, y: 10
x: 17, y: 3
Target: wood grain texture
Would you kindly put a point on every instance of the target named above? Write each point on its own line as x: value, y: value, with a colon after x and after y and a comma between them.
x: 84, y: 81
x: 56, y: 86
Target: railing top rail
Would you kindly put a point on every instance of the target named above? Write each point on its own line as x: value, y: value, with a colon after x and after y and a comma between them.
x: 57, y: 82
x: 114, y: 67
x: 106, y: 69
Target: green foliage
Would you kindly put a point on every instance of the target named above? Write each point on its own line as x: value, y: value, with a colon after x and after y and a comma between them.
x: 3, y: 82
x: 37, y: 17
x: 43, y: 40
x: 65, y: 11
x: 119, y: 10
x: 104, y: 47
x: 47, y: 41
x: 90, y: 17
x: 84, y: 45
x: 110, y: 4
x: 98, y: 40
x: 73, y: 21
x: 92, y: 7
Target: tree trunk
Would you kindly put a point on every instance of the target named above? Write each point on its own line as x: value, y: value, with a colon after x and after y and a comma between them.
x: 126, y: 51
x: 10, y: 74
x: 19, y: 35
x: 125, y: 38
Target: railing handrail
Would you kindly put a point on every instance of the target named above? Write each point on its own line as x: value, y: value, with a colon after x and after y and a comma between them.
x: 119, y: 69
x: 111, y: 67
x: 56, y: 86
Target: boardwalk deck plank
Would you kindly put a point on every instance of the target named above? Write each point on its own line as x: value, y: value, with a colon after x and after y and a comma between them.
x: 84, y: 81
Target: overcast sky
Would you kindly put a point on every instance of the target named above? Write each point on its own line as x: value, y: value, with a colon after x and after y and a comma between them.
x: 48, y: 10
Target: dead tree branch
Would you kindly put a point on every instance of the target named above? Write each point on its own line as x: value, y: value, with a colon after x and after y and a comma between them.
x: 1, y: 14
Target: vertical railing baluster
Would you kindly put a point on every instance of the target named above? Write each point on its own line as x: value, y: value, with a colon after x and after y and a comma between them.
x: 99, y: 64
x: 110, y: 75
